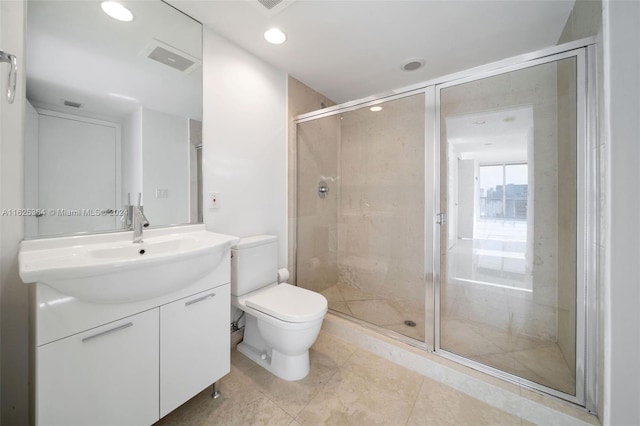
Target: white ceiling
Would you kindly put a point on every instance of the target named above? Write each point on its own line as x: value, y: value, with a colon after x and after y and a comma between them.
x: 492, y: 136
x: 75, y: 52
x: 347, y: 50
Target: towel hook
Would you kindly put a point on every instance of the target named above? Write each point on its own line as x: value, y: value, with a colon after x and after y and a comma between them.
x: 13, y: 74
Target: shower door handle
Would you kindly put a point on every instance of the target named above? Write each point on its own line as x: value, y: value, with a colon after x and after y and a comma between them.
x: 13, y: 74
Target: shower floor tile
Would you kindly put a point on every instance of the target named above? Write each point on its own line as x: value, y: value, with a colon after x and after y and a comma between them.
x: 376, y: 309
x: 538, y: 360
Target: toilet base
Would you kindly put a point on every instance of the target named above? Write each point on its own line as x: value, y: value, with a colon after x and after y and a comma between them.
x: 286, y: 367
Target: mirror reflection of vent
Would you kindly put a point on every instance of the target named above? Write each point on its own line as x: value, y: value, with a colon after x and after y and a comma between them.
x: 270, y: 8
x: 170, y: 56
x: 72, y: 104
x: 269, y: 4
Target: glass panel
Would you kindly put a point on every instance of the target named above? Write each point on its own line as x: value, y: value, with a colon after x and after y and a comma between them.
x: 361, y: 239
x: 508, y: 272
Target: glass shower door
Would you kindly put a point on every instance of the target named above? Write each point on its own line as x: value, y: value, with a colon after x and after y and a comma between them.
x: 360, y: 236
x: 509, y: 278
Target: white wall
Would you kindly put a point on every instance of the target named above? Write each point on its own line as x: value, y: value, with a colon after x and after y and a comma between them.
x: 621, y: 38
x: 31, y: 132
x: 165, y: 165
x: 244, y: 142
x: 14, y: 294
x: 466, y: 210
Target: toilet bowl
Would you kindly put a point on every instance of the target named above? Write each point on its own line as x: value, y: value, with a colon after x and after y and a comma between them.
x: 282, y: 320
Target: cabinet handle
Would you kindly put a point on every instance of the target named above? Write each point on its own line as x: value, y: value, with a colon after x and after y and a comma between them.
x: 199, y: 299
x: 113, y: 330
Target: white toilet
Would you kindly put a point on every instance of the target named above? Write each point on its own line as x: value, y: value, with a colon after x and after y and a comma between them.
x: 282, y: 321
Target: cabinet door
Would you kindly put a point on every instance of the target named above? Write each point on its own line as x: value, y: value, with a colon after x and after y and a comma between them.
x: 194, y: 345
x: 105, y: 376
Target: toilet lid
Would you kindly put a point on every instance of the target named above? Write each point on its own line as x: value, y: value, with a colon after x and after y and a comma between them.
x: 289, y: 303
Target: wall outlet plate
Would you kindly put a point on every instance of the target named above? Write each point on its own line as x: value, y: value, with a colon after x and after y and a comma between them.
x: 214, y: 200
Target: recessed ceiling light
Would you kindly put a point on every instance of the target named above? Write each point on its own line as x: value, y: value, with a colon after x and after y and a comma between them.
x: 479, y: 122
x: 275, y: 36
x: 117, y: 11
x: 412, y: 64
x: 375, y: 108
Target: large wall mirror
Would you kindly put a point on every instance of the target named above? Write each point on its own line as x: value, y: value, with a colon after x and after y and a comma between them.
x: 114, y: 114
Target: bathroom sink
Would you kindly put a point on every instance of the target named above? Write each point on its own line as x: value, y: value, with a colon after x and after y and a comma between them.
x: 110, y: 268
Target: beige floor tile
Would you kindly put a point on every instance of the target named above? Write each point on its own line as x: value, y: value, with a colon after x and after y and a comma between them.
x: 377, y: 311
x: 294, y: 396
x: 438, y: 404
x: 416, y: 332
x: 562, y: 406
x: 379, y: 372
x: 238, y: 394
x: 352, y: 293
x: 241, y: 362
x: 507, y: 341
x: 337, y: 350
x: 332, y: 294
x: 260, y: 412
x: 458, y: 337
x: 340, y: 307
x: 350, y: 399
x: 548, y: 363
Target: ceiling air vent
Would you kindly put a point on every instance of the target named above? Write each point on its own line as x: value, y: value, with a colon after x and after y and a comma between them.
x: 72, y: 104
x: 269, y: 4
x: 170, y: 56
x: 270, y: 8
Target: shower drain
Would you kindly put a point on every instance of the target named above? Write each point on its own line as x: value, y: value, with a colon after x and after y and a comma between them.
x: 410, y: 323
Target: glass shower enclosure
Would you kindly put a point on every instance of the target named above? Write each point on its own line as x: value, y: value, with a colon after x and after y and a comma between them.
x: 459, y: 217
x: 360, y: 213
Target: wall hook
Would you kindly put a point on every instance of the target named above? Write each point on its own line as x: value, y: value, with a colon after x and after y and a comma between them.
x: 13, y: 74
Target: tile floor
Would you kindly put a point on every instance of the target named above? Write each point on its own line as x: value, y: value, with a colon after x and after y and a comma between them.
x: 538, y: 360
x: 378, y: 310
x: 346, y: 386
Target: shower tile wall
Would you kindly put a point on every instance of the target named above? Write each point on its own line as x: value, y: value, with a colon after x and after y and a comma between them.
x: 363, y: 245
x: 301, y: 99
x: 317, y: 218
x: 381, y: 212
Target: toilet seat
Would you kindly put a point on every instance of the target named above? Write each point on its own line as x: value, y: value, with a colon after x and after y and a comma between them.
x: 289, y: 303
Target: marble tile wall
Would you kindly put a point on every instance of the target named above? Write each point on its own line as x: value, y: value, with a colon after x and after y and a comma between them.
x: 302, y: 99
x: 534, y: 314
x: 381, y: 206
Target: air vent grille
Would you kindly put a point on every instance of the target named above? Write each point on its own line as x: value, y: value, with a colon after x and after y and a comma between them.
x: 269, y: 4
x: 170, y: 56
x: 72, y: 104
x: 171, y: 59
x: 270, y: 8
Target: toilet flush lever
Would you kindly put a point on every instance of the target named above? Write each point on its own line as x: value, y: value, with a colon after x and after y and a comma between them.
x: 323, y: 189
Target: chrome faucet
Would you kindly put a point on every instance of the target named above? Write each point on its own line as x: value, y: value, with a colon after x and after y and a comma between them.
x: 139, y: 221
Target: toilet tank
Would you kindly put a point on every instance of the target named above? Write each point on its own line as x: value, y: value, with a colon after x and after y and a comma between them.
x: 254, y: 264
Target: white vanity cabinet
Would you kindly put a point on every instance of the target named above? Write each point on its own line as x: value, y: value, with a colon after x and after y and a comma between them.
x: 125, y: 333
x: 104, y: 376
x: 190, y: 360
x: 136, y: 369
